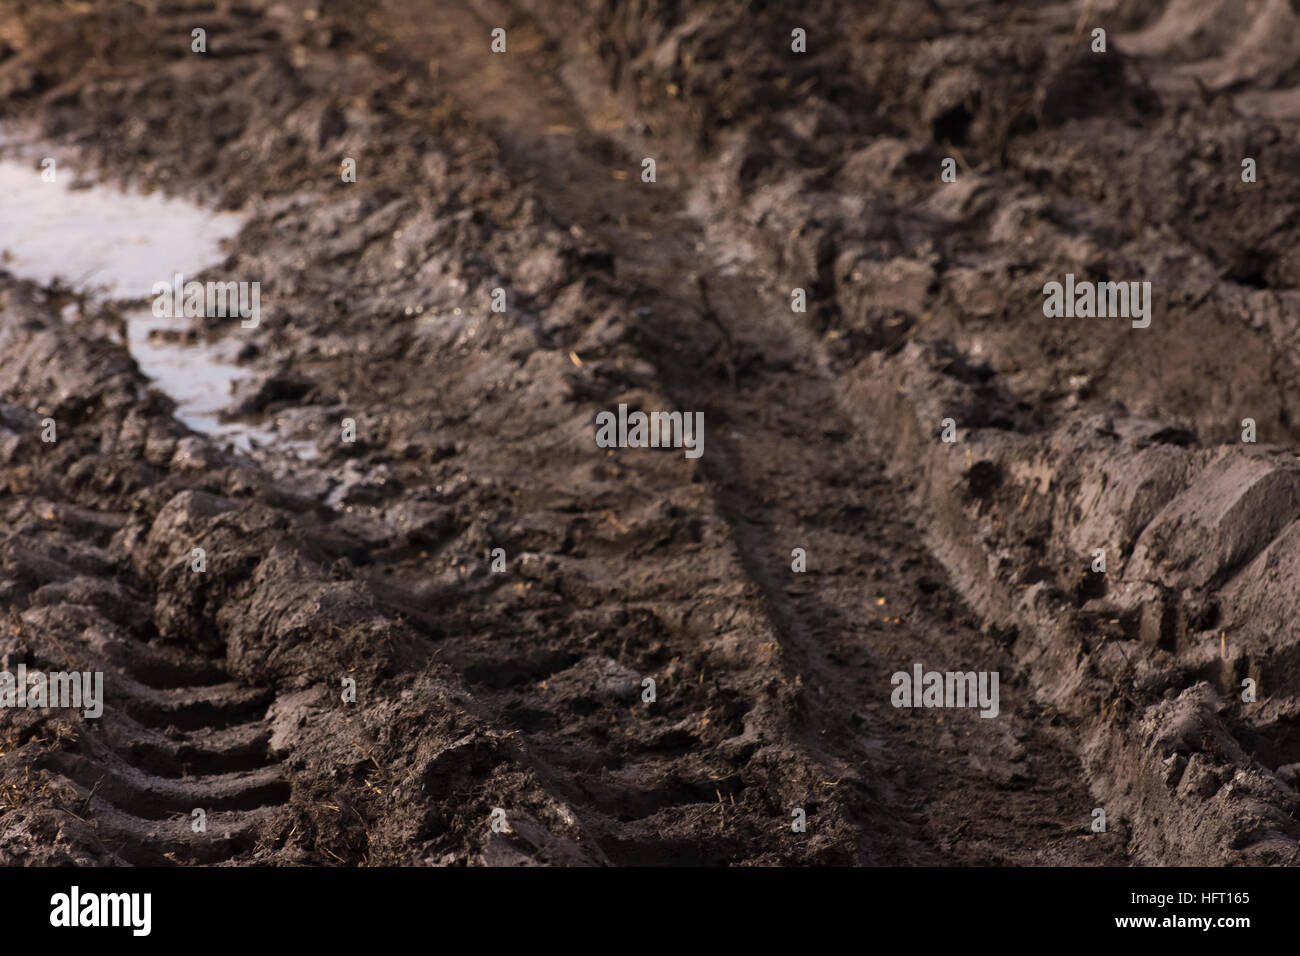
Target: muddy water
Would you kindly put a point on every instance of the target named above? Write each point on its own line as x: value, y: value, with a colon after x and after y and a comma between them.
x: 116, y: 245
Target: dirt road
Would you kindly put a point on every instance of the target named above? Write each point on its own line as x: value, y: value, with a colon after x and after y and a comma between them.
x: 827, y: 538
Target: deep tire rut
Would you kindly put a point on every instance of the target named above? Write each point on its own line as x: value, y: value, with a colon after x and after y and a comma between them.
x: 177, y: 737
x: 777, y: 436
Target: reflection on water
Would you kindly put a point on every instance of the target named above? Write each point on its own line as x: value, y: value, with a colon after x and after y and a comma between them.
x: 117, y: 245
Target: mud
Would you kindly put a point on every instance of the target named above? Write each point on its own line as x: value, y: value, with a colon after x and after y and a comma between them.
x: 371, y: 560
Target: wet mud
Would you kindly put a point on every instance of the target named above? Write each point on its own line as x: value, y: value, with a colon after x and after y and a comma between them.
x: 330, y: 560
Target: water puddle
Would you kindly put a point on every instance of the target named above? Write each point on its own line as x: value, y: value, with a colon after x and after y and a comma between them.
x: 194, y: 374
x: 115, y: 246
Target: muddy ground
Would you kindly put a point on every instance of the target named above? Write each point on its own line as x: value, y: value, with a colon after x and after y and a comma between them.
x: 775, y: 170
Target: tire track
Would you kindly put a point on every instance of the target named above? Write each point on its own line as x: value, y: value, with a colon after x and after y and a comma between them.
x: 176, y: 733
x: 778, y: 437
